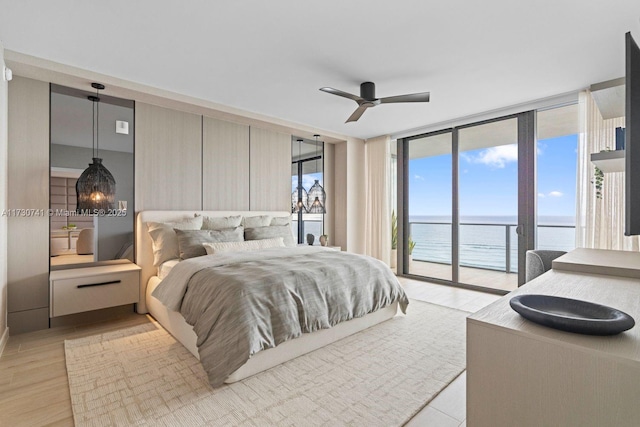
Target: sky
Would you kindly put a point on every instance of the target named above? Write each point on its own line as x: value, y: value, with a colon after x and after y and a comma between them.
x: 489, y: 181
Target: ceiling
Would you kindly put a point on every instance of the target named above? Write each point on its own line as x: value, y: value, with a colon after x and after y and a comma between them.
x: 271, y: 58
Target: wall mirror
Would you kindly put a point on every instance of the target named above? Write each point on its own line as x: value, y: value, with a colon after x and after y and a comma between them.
x: 307, y: 168
x: 82, y: 239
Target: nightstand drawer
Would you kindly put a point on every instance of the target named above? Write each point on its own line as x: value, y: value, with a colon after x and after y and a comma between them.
x: 75, y: 295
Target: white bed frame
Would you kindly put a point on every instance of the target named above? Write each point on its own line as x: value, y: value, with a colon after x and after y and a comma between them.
x: 175, y: 324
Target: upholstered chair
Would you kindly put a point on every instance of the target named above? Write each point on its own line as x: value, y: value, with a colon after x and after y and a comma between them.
x: 539, y: 261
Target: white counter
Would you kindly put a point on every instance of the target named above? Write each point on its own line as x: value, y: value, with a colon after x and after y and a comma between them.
x: 523, y: 374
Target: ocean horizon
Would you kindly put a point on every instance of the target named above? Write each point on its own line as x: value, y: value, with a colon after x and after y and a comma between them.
x: 483, y: 239
x: 496, y: 219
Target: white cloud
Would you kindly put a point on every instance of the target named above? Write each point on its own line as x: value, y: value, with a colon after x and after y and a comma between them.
x: 540, y: 148
x: 418, y: 177
x: 540, y: 194
x: 496, y: 157
x: 308, y: 181
x: 555, y: 194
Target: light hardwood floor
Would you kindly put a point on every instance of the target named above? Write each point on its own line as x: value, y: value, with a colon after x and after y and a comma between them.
x: 34, y: 390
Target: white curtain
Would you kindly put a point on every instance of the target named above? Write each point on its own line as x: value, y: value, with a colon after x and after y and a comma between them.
x: 599, y: 221
x: 377, y: 154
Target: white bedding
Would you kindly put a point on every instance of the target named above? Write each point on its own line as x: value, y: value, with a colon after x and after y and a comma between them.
x: 175, y: 323
x: 165, y: 267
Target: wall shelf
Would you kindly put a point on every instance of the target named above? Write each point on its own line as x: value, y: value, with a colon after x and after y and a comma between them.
x: 609, y: 161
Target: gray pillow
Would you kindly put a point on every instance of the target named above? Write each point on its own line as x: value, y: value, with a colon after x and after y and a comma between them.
x: 165, y: 242
x: 260, y: 233
x: 220, y: 223
x: 190, y: 241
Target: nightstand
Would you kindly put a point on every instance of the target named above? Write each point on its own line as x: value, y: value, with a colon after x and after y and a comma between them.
x: 83, y: 289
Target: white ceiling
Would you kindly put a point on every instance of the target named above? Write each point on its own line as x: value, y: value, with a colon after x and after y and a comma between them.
x: 271, y: 57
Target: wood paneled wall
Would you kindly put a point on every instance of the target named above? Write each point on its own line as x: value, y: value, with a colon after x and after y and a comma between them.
x: 28, y: 188
x: 168, y: 159
x: 186, y: 161
x: 4, y: 97
x: 225, y: 163
x: 270, y: 175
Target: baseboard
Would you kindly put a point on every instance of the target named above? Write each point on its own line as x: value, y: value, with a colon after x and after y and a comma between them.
x: 3, y: 340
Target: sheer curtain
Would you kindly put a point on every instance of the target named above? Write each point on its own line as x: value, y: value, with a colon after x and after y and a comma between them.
x: 599, y: 221
x: 377, y: 154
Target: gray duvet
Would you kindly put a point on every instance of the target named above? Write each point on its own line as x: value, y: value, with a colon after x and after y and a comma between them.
x: 241, y: 303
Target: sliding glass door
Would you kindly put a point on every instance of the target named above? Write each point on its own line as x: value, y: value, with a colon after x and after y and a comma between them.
x: 430, y: 196
x: 488, y: 204
x: 557, y: 160
x: 468, y: 203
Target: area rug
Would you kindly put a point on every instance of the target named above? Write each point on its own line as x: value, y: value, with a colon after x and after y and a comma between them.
x: 381, y: 376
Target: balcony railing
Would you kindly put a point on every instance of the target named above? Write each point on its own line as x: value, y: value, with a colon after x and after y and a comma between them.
x: 491, y: 246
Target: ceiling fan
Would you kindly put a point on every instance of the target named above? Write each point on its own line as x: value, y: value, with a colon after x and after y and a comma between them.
x: 368, y: 98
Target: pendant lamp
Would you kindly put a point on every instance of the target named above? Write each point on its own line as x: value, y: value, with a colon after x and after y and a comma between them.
x: 299, y: 196
x: 316, y: 193
x: 96, y: 187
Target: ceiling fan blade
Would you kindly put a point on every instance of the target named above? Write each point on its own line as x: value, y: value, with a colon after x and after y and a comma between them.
x: 341, y: 93
x: 357, y: 114
x: 413, y: 97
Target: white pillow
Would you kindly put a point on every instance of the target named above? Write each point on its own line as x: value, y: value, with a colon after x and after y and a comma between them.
x: 220, y: 223
x: 257, y: 221
x: 165, y: 241
x: 247, y: 246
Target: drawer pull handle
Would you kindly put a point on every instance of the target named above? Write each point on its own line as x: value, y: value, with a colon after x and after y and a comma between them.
x: 88, y: 285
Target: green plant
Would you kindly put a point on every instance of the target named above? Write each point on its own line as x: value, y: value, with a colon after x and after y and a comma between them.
x: 412, y: 245
x: 598, y: 180
x: 598, y: 177
x: 394, y: 230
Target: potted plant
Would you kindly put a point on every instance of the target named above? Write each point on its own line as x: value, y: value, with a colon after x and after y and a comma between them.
x: 412, y: 245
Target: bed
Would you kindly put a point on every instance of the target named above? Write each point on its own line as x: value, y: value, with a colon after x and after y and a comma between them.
x: 174, y: 322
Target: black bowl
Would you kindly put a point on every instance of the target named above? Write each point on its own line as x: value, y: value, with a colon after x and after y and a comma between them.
x: 572, y: 315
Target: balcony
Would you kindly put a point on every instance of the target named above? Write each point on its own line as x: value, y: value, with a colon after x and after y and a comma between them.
x: 488, y: 251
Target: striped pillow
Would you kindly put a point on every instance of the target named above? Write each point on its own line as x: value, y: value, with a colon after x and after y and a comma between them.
x: 247, y: 246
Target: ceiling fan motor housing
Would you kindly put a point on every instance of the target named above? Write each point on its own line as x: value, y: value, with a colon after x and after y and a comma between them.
x: 368, y: 91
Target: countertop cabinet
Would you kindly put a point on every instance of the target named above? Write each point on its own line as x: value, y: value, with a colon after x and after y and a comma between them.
x: 92, y: 288
x: 523, y: 374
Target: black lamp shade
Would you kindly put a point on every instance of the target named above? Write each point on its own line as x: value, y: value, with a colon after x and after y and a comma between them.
x: 96, y: 188
x: 317, y: 199
x: 299, y: 200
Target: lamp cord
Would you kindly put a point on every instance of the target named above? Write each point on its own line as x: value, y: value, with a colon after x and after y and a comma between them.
x: 98, y: 120
x: 93, y: 128
x: 316, y: 154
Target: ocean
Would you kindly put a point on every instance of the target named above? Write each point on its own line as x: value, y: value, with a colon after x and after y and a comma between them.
x: 483, y: 239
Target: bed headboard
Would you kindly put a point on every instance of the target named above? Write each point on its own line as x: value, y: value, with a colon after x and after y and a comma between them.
x: 144, y: 248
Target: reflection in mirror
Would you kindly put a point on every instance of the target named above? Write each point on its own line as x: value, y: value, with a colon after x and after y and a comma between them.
x: 82, y: 238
